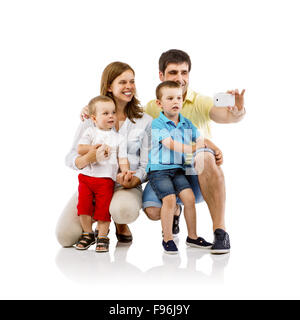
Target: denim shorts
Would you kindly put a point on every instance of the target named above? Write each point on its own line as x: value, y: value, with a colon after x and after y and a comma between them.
x: 166, y: 182
x: 150, y: 198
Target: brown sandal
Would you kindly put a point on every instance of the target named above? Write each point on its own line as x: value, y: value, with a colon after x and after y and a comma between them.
x: 102, y: 244
x: 86, y: 240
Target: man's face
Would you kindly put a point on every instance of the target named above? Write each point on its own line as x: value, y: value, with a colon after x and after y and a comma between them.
x: 178, y: 72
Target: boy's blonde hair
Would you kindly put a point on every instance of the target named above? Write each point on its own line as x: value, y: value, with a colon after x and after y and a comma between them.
x: 92, y: 104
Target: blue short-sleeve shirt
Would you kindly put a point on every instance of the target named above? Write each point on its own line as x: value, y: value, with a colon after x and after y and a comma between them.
x: 162, y: 158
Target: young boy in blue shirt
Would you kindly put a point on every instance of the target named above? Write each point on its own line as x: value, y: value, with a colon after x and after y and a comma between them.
x: 172, y: 138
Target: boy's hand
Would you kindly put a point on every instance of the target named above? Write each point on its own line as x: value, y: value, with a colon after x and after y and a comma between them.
x: 103, y: 153
x: 84, y: 113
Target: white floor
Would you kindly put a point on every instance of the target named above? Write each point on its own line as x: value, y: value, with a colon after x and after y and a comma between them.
x: 253, y: 269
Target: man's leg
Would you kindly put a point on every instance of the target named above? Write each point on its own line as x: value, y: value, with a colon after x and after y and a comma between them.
x: 212, y: 185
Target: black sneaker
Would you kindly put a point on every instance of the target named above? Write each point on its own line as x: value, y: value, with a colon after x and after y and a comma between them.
x: 221, y: 243
x: 170, y: 247
x: 198, y: 243
x: 175, y: 228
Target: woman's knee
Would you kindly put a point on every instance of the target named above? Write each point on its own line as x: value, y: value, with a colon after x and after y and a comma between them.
x: 125, y: 205
x: 68, y: 228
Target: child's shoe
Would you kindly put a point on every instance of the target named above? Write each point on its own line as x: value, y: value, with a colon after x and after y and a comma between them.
x: 86, y: 240
x: 102, y: 244
x: 170, y: 247
x: 198, y: 243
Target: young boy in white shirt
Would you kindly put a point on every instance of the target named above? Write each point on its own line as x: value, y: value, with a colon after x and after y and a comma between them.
x: 96, y: 180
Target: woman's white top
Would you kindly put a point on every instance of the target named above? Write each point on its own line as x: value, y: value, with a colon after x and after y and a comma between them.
x: 138, y: 137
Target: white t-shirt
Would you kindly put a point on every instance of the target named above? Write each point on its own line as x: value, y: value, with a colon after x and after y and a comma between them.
x: 137, y: 135
x: 118, y: 148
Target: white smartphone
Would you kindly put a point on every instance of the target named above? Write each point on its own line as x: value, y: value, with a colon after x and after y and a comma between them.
x: 224, y: 100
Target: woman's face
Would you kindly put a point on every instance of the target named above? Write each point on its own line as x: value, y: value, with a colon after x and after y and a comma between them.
x: 123, y: 87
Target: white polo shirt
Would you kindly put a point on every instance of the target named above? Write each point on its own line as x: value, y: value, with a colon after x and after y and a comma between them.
x: 118, y: 148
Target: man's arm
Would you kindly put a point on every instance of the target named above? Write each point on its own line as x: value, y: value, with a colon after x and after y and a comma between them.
x: 230, y: 114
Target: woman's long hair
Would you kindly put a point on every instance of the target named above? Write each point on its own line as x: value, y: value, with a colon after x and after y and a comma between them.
x: 133, y: 108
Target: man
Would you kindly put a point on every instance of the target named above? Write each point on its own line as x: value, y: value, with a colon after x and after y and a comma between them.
x: 175, y: 65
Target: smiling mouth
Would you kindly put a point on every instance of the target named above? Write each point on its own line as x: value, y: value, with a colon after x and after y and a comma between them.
x: 128, y: 94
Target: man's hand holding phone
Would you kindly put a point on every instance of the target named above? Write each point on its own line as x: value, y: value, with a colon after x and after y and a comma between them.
x: 232, y: 99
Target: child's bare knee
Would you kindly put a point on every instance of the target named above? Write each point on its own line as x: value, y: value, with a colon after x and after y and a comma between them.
x: 169, y: 201
x: 188, y: 198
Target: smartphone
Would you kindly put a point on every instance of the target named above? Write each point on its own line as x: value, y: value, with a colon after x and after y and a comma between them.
x: 224, y: 100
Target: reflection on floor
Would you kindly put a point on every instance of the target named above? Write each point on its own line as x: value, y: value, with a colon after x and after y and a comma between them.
x: 90, y: 267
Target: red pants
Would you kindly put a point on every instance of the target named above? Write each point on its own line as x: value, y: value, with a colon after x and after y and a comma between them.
x: 102, y: 190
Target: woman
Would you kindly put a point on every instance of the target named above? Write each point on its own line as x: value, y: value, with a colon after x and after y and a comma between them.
x: 118, y: 83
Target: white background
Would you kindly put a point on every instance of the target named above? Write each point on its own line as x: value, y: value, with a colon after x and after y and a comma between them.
x: 52, y: 57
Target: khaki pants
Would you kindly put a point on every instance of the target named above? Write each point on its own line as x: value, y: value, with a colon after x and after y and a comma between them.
x: 124, y: 209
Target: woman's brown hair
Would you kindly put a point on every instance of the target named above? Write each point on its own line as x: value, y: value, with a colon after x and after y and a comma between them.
x: 133, y: 108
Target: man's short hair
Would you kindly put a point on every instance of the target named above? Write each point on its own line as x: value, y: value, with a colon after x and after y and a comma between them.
x: 173, y: 56
x: 165, y: 84
x: 92, y: 104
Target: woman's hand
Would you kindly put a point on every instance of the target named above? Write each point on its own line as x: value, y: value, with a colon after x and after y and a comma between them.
x: 84, y: 113
x: 92, y: 153
x: 88, y: 156
x: 127, y: 180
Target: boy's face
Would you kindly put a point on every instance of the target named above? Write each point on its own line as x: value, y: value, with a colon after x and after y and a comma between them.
x: 105, y: 118
x: 178, y: 72
x: 170, y: 101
